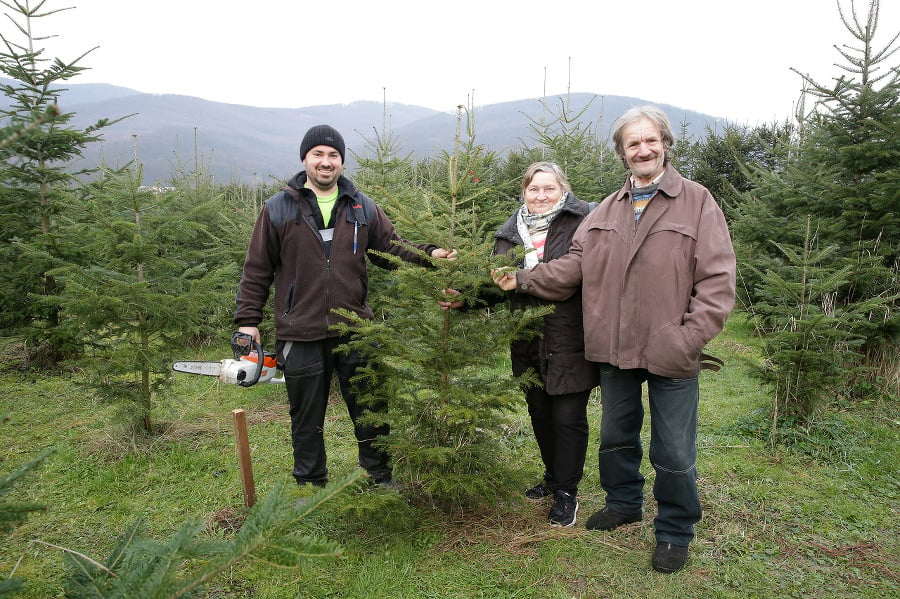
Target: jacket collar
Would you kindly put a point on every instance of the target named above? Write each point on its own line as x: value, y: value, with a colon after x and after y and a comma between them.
x: 670, y: 185
x: 309, y: 208
x: 345, y: 185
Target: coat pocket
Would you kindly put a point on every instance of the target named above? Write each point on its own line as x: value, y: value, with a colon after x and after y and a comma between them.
x: 673, y: 351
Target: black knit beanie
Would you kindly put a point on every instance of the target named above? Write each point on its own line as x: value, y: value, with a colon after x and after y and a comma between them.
x: 322, y: 135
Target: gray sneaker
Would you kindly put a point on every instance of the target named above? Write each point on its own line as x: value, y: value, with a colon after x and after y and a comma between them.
x: 564, y: 510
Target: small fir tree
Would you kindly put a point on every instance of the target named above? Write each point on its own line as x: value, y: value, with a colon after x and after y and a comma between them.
x: 153, y: 275
x: 594, y: 171
x: 723, y: 158
x: 435, y: 369
x: 183, y: 566
x: 807, y: 336
x: 685, y: 155
x: 854, y: 134
x: 387, y: 177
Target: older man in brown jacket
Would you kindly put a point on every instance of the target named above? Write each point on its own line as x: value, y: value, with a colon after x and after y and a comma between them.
x: 656, y: 268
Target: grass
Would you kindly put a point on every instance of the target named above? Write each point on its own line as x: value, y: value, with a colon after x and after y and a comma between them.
x: 815, y: 518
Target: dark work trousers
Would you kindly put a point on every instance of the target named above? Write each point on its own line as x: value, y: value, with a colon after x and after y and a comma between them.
x: 561, y: 428
x: 308, y: 368
x: 673, y: 448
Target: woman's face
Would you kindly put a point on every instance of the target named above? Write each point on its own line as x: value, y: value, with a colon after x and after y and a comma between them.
x: 542, y: 192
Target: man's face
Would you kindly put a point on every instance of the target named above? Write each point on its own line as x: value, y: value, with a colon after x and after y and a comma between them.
x: 645, y: 154
x: 323, y: 167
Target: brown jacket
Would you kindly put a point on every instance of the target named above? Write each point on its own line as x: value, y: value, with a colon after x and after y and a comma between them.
x: 313, y: 277
x: 654, y: 292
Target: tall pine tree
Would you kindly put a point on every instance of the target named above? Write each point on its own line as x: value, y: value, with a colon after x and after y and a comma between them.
x: 843, y: 172
x: 34, y: 181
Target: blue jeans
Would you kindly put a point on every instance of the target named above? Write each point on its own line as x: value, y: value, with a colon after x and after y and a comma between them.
x: 673, y: 448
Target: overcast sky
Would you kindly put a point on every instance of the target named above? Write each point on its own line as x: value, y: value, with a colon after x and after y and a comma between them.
x: 727, y: 59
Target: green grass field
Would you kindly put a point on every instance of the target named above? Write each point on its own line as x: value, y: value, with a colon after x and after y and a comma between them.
x: 818, y: 518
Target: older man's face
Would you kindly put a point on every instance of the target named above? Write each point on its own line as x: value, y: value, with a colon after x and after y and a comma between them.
x: 645, y: 153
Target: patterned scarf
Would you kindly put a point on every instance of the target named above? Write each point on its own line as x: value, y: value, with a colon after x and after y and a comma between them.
x: 640, y: 197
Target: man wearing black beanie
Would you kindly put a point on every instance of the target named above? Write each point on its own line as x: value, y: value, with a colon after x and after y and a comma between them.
x: 322, y: 135
x: 311, y: 240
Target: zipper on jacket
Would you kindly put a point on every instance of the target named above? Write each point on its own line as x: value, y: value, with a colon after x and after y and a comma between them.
x: 634, y: 220
x: 290, y: 300
x: 327, y: 292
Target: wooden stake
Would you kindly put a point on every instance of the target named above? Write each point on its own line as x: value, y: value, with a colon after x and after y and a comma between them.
x: 243, y: 449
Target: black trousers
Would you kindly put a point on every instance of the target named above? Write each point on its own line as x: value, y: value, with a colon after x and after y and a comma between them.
x: 308, y: 368
x: 561, y: 428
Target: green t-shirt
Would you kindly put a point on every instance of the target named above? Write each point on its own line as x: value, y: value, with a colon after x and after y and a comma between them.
x: 326, y: 205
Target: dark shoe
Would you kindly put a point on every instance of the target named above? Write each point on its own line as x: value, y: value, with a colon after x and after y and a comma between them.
x: 319, y: 484
x: 539, y: 491
x: 389, y: 484
x: 564, y: 510
x: 607, y: 519
x: 383, y: 481
x: 668, y: 558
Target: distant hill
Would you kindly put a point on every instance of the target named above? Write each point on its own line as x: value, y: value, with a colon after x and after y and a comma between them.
x: 250, y: 144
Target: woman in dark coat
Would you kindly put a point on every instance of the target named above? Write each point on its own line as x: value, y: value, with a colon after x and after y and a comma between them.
x: 544, y: 225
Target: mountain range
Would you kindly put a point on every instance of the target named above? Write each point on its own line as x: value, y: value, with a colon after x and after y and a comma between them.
x: 172, y: 133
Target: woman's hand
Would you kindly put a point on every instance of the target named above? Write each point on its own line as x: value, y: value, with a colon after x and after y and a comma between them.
x: 444, y: 254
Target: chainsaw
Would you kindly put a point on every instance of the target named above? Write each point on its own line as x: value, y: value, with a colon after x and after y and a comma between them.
x: 246, y: 369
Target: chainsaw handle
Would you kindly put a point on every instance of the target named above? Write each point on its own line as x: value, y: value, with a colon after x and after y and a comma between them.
x: 241, y: 345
